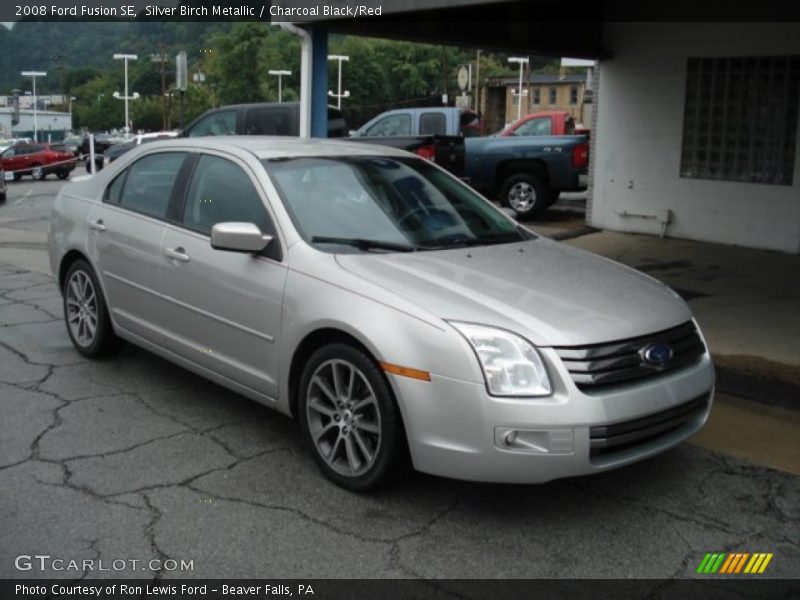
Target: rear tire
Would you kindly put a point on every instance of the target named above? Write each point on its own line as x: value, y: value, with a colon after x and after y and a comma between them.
x: 525, y: 193
x: 86, y: 314
x: 350, y: 419
x: 62, y: 174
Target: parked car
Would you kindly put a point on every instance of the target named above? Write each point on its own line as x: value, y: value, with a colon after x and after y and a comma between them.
x: 117, y: 150
x: 102, y: 142
x: 283, y: 119
x: 36, y: 160
x: 384, y: 304
x: 436, y: 133
x: 553, y: 122
x: 433, y: 120
x: 528, y: 173
x: 72, y: 147
x: 262, y: 118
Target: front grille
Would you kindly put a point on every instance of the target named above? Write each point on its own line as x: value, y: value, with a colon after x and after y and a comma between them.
x: 605, y: 439
x: 621, y: 361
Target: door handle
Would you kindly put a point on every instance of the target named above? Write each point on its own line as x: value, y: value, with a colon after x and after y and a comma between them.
x: 177, y: 253
x: 97, y: 225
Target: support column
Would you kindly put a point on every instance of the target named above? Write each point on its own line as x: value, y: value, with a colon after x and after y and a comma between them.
x: 319, y: 81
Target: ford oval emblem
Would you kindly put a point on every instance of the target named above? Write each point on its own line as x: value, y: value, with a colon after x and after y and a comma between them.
x: 657, y: 355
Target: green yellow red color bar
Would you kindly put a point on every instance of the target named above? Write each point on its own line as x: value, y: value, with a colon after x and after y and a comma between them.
x: 734, y: 562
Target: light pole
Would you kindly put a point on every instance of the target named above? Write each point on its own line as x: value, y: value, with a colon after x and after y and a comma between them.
x: 339, y: 95
x: 33, y: 75
x: 71, y: 98
x: 522, y: 62
x: 280, y: 75
x: 126, y: 58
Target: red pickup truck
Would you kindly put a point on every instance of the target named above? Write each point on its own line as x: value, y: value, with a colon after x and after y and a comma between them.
x: 554, y: 122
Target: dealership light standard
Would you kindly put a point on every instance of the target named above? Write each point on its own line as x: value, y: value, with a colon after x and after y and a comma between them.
x: 280, y: 75
x: 33, y: 75
x: 522, y: 62
x: 339, y: 95
x: 126, y: 58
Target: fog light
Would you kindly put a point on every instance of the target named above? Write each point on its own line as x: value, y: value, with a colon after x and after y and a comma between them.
x: 541, y: 441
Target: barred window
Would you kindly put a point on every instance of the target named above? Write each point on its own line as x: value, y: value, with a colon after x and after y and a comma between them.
x: 740, y: 119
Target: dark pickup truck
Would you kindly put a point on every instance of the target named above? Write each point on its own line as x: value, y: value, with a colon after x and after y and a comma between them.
x: 527, y: 173
x: 284, y: 119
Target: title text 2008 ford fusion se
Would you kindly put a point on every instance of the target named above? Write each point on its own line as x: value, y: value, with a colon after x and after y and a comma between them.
x: 392, y: 310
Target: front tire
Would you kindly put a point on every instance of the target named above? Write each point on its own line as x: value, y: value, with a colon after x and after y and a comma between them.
x: 525, y: 193
x: 86, y: 313
x: 37, y: 172
x: 349, y: 418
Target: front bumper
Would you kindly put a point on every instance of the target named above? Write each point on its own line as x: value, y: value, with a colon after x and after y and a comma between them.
x: 456, y: 429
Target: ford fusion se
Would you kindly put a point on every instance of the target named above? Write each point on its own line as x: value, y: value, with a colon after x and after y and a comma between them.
x: 384, y: 304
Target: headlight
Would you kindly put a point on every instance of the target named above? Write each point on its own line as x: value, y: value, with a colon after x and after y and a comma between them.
x: 510, y: 364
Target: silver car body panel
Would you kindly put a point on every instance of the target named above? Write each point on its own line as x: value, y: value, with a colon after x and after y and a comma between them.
x: 238, y: 319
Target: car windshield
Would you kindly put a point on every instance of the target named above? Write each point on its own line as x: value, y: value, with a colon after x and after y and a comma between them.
x: 386, y: 204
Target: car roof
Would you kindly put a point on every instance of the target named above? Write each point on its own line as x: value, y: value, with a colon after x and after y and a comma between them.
x: 271, y: 147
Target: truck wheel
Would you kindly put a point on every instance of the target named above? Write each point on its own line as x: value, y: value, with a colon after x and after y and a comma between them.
x: 525, y: 193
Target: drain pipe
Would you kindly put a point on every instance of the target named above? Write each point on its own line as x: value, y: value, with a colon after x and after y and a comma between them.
x: 661, y: 216
x: 305, y: 75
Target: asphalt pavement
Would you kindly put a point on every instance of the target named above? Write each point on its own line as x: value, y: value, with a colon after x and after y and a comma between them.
x: 135, y: 459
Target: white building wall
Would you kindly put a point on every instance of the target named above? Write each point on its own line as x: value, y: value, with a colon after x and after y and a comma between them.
x: 45, y: 121
x: 638, y: 135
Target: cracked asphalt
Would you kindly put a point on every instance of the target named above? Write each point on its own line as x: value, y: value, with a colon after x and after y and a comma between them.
x: 135, y: 458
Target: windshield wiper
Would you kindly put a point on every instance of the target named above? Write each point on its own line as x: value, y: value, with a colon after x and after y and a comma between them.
x: 363, y: 244
x: 464, y: 241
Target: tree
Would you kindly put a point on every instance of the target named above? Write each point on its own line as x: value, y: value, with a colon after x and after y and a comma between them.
x: 235, y: 66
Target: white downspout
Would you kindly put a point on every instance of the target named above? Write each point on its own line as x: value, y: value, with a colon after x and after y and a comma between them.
x: 305, y: 75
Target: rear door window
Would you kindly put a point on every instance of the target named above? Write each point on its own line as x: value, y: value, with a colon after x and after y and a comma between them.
x: 268, y: 121
x: 539, y: 126
x: 149, y: 183
x: 399, y: 124
x: 222, y: 122
x: 432, y: 123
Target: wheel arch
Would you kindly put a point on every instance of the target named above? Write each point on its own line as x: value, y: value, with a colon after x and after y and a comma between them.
x: 67, y: 261
x: 514, y: 166
x: 311, y: 342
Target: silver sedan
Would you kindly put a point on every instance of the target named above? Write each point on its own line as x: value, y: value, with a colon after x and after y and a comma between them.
x: 400, y: 316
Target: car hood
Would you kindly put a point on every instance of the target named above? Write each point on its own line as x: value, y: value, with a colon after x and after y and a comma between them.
x: 555, y: 294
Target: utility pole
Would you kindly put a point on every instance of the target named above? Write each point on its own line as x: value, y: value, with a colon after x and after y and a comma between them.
x: 445, y: 97
x: 280, y: 74
x: 162, y: 58
x: 58, y: 58
x: 126, y: 97
x: 522, y: 62
x: 478, y: 85
x: 181, y: 79
x: 33, y: 75
x: 339, y: 95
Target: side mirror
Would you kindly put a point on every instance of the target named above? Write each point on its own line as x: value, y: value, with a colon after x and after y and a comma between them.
x: 238, y: 237
x: 509, y: 212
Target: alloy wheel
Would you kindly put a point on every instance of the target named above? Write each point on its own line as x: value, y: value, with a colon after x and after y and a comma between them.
x: 82, y: 310
x: 343, y: 417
